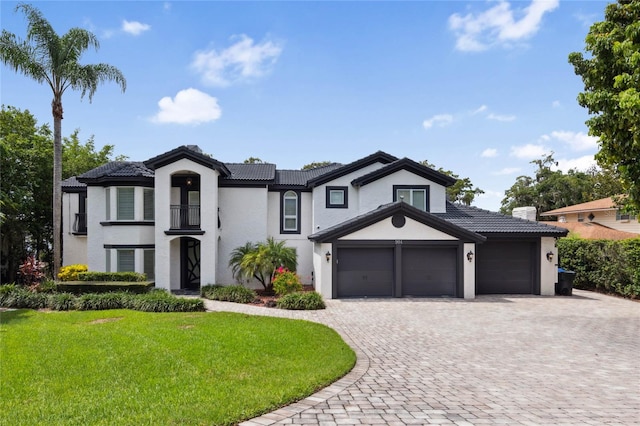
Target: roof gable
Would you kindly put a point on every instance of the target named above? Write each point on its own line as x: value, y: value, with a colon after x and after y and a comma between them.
x: 399, y: 207
x: 377, y: 157
x: 408, y: 165
x: 192, y: 153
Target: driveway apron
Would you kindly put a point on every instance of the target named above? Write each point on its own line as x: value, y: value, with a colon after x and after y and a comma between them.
x: 516, y: 360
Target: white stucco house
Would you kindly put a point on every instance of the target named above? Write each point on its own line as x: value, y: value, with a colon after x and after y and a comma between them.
x: 377, y: 227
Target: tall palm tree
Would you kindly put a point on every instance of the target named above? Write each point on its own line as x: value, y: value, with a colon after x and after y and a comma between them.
x: 49, y: 58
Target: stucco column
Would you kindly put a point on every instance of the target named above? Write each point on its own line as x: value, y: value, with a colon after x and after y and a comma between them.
x: 469, y: 271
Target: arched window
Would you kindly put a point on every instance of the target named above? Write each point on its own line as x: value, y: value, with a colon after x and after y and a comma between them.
x: 290, y: 212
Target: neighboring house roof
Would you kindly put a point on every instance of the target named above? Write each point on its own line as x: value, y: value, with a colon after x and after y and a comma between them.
x: 72, y: 184
x: 118, y: 171
x: 405, y: 164
x: 602, y: 204
x: 594, y: 231
x: 377, y: 157
x: 388, y: 210
x: 190, y: 152
x: 490, y: 223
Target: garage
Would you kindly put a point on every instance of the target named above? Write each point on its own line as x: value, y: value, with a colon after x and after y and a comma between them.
x: 365, y: 272
x: 429, y: 271
x: 506, y: 267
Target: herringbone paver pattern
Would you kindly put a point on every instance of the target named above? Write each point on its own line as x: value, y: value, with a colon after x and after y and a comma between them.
x: 513, y: 360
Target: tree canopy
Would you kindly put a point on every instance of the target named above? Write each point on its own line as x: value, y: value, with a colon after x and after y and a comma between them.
x: 611, y: 76
x: 461, y: 192
x: 315, y: 165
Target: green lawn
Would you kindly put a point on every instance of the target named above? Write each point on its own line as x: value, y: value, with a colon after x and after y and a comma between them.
x: 126, y: 367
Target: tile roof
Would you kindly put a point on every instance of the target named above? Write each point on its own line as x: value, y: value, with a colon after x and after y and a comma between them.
x: 487, y: 222
x: 302, y: 177
x: 376, y: 157
x: 253, y: 172
x: 118, y: 169
x: 405, y: 164
x: 602, y: 204
x: 594, y: 231
x: 72, y: 183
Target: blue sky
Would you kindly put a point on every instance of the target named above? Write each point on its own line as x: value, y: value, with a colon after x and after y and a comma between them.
x: 477, y: 87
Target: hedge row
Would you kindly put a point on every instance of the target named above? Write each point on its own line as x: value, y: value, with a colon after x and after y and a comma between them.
x: 229, y: 293
x: 18, y: 297
x: 81, y: 287
x: 112, y: 276
x: 603, y: 265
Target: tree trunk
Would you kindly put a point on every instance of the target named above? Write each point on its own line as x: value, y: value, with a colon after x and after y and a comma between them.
x: 56, y: 106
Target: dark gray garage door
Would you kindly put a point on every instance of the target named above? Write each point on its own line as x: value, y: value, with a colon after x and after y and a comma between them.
x: 365, y: 272
x: 505, y: 268
x: 429, y: 271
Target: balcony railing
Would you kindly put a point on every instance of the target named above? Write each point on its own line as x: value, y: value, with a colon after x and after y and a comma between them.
x: 80, y: 224
x: 185, y: 217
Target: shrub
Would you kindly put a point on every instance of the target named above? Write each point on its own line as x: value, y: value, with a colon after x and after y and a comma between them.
x: 112, y: 276
x: 100, y: 301
x: 70, y: 272
x: 285, y: 282
x: 603, y: 265
x: 62, y: 302
x: 46, y: 286
x: 231, y: 293
x: 81, y: 287
x: 301, y: 301
x: 31, y: 271
x: 162, y: 301
x: 20, y: 297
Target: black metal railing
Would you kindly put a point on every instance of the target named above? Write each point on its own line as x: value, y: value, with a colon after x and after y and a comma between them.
x: 80, y: 224
x: 185, y: 217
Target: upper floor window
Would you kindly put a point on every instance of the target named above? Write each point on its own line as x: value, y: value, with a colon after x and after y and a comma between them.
x: 125, y: 204
x: 417, y: 195
x: 290, y: 213
x: 149, y: 208
x: 337, y: 197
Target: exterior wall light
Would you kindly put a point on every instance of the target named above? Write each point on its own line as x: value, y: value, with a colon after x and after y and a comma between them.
x: 470, y: 256
x: 328, y: 256
x: 189, y: 181
x: 550, y: 256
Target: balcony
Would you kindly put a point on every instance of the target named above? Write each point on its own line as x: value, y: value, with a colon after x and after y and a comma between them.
x: 80, y: 224
x: 185, y: 217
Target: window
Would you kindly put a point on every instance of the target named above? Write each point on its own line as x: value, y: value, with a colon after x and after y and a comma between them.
x: 337, y: 197
x: 125, y: 201
x: 580, y: 217
x: 624, y: 217
x: 290, y: 213
x: 107, y: 260
x: 417, y: 196
x: 107, y: 201
x: 150, y: 264
x: 126, y: 260
x: 149, y: 209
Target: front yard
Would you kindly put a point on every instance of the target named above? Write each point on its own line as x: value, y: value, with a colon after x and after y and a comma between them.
x: 128, y: 367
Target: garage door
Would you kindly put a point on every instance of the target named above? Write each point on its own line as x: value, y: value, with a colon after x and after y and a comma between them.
x: 429, y: 271
x: 365, y: 272
x: 505, y: 268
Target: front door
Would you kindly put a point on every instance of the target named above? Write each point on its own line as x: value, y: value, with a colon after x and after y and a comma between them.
x: 190, y: 264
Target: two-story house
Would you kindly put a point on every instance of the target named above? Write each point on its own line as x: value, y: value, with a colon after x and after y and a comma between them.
x: 377, y: 227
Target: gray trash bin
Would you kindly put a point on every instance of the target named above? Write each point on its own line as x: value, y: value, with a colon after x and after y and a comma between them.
x: 564, y: 286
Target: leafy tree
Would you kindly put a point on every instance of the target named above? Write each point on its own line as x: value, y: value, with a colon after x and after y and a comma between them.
x: 611, y: 76
x: 253, y: 160
x: 261, y: 260
x: 26, y: 152
x: 49, y: 58
x: 78, y: 158
x: 315, y: 165
x: 461, y: 192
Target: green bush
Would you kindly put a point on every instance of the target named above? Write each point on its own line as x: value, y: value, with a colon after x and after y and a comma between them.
x: 82, y: 287
x: 603, y: 265
x: 285, y: 282
x: 100, y: 301
x: 230, y: 293
x: 20, y: 297
x: 70, y: 272
x: 301, y: 301
x: 5, y: 291
x: 112, y: 276
x: 162, y: 301
x: 62, y: 302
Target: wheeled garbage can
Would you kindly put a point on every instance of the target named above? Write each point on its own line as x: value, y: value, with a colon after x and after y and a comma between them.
x: 564, y: 286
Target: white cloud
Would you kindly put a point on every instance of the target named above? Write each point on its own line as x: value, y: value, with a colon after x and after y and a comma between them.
x: 555, y: 104
x: 506, y: 171
x: 489, y: 153
x: 190, y: 106
x: 498, y: 25
x: 482, y: 108
x: 577, y: 141
x: 581, y: 164
x: 503, y: 118
x: 134, y: 27
x: 440, y: 120
x: 529, y: 151
x: 243, y: 60
x: 166, y: 6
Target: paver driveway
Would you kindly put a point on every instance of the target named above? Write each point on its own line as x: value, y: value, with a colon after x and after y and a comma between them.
x: 517, y: 360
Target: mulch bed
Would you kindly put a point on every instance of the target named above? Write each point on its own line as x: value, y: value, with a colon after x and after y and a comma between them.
x: 268, y: 299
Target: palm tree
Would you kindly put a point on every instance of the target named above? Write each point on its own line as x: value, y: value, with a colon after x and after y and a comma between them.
x: 49, y: 58
x: 260, y: 260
